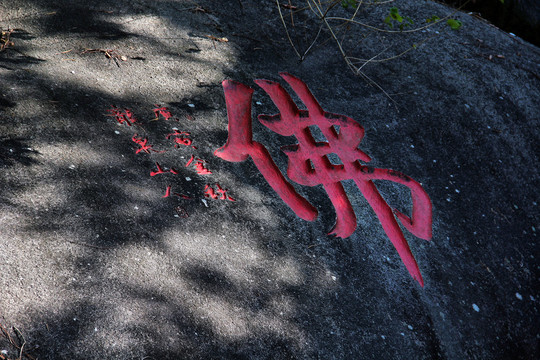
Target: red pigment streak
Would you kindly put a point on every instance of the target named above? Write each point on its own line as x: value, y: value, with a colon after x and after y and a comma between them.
x: 309, y: 163
x: 167, y: 192
x: 190, y: 160
x: 161, y: 171
x: 183, y: 196
x: 124, y: 116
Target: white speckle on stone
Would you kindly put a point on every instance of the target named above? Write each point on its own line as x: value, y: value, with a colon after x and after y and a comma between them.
x: 117, y: 132
x: 475, y: 307
x: 518, y: 295
x: 136, y: 207
x: 95, y: 329
x: 258, y: 103
x: 412, y: 146
x: 533, y: 228
x: 472, y: 283
x: 191, y: 105
x: 188, y: 178
x: 434, y: 161
x: 515, y: 207
x: 383, y: 337
x: 176, y: 215
x: 457, y: 190
x: 410, y: 327
x: 467, y: 106
x: 4, y: 352
x: 334, y: 278
x: 204, y: 202
x: 500, y: 97
x: 73, y: 72
x: 532, y: 298
x: 448, y: 199
x: 402, y: 334
x: 451, y: 175
x: 72, y: 166
x: 511, y: 34
x: 535, y: 203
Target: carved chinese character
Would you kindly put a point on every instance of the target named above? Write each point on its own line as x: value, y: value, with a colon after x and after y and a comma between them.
x: 310, y: 165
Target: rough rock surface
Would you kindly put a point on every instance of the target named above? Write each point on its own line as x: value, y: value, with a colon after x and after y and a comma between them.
x: 95, y: 264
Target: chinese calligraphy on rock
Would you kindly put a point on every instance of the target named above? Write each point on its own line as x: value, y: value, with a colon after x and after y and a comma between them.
x: 309, y: 163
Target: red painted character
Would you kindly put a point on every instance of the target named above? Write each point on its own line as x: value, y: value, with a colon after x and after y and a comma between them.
x: 309, y: 163
x: 125, y: 116
x: 143, y: 143
x: 163, y: 111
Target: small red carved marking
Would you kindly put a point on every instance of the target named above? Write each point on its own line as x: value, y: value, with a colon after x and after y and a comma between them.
x: 190, y: 160
x: 163, y: 111
x: 181, y: 138
x: 183, y: 196
x: 200, y: 166
x: 122, y: 116
x: 143, y: 143
x: 161, y: 171
x: 167, y: 192
x: 181, y: 212
x: 219, y: 193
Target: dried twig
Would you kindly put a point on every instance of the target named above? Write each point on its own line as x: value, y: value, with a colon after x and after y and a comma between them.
x: 5, y: 41
x: 110, y: 54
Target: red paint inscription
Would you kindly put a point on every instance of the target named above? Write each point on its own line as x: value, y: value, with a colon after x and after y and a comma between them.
x: 309, y: 163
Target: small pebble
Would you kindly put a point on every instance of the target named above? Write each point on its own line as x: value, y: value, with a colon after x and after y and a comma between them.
x: 117, y: 132
x: 410, y: 327
x: 191, y: 105
x: 188, y: 178
x: 475, y: 307
x: 258, y: 103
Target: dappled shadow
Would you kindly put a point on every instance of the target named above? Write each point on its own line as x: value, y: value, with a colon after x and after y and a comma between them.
x: 16, y: 151
x: 120, y: 276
